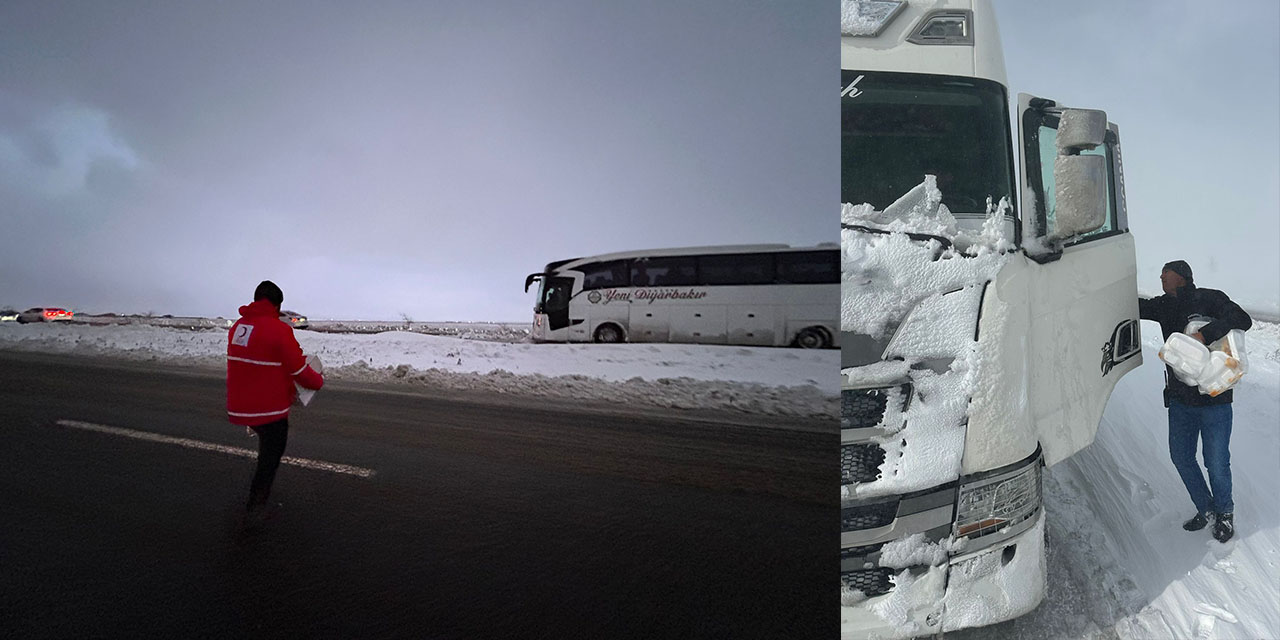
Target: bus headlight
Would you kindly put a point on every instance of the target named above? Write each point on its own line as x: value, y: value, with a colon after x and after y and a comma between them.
x: 991, y: 504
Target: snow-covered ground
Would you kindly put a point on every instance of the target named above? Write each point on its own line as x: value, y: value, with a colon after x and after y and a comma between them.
x: 1197, y: 587
x: 1120, y: 565
x: 764, y: 380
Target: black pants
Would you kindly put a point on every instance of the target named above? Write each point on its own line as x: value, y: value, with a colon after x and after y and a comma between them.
x: 271, y: 440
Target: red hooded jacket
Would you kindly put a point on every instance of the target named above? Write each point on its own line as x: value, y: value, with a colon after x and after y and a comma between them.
x: 263, y: 360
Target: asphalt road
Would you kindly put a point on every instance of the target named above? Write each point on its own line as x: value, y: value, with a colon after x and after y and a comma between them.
x: 485, y: 517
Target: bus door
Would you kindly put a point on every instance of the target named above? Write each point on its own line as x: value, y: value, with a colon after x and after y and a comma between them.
x: 556, y: 293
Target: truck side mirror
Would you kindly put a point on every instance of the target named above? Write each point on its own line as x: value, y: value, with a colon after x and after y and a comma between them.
x: 1081, y: 130
x: 1080, y: 191
x: 1080, y: 181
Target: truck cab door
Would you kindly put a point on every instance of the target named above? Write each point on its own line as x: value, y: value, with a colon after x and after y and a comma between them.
x: 1083, y: 296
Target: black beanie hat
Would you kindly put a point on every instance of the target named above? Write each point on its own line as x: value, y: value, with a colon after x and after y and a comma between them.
x: 1181, y: 268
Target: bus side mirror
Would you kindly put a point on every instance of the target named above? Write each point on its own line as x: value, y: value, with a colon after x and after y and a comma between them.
x: 1080, y: 181
x: 530, y: 279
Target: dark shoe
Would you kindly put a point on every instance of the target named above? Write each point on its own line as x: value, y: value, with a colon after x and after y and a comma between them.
x: 255, y: 517
x: 1224, y: 527
x: 1197, y: 523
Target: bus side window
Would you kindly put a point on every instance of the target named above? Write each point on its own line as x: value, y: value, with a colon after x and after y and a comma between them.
x: 679, y: 271
x: 605, y: 275
x: 736, y: 269
x: 809, y: 267
x: 640, y: 276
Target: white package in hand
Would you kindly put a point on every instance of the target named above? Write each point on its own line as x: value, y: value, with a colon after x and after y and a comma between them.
x: 1186, y: 356
x: 1212, y: 369
x: 1218, y: 375
x: 1232, y: 345
x: 304, y: 394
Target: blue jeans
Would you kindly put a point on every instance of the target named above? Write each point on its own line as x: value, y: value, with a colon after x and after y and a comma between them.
x: 1212, y: 426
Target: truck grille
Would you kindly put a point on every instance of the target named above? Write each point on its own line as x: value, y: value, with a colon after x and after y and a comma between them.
x: 868, y: 517
x: 865, y: 408
x: 872, y: 582
x: 860, y: 552
x: 860, y: 462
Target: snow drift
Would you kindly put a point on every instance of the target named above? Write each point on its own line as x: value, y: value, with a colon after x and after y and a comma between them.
x: 766, y: 380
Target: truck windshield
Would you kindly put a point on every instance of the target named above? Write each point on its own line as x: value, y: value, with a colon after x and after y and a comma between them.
x: 897, y: 127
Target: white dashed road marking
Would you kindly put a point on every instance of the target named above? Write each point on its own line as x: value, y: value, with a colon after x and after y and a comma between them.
x: 305, y: 463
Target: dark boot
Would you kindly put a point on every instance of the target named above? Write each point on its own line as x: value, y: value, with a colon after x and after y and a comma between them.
x: 1224, y: 527
x: 1197, y: 523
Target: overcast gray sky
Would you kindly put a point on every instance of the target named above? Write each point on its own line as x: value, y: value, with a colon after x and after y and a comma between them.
x: 398, y: 157
x: 1195, y: 89
x: 406, y: 157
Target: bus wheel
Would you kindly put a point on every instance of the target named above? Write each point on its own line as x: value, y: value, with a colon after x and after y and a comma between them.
x: 608, y: 333
x: 812, y: 338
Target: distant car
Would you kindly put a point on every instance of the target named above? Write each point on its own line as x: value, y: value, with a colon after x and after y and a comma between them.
x: 294, y: 319
x: 44, y: 314
x: 8, y: 315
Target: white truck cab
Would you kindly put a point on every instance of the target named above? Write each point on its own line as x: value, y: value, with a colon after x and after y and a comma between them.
x: 983, y: 324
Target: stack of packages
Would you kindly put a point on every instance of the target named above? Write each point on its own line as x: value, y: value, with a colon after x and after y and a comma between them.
x: 1211, y: 369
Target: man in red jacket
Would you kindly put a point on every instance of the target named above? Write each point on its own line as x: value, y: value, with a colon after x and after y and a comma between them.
x: 263, y: 361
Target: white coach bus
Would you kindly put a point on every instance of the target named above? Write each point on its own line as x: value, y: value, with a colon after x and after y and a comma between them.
x: 767, y: 295
x: 982, y: 333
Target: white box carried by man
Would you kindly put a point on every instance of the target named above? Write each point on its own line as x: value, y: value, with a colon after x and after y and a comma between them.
x: 1212, y: 369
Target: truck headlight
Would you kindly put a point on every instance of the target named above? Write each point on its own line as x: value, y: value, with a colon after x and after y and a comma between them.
x: 986, y: 506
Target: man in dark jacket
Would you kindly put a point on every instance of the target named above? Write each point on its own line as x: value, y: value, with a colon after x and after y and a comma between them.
x: 1192, y: 415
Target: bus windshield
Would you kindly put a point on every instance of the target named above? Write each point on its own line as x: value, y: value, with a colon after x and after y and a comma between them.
x: 554, y: 293
x: 897, y: 127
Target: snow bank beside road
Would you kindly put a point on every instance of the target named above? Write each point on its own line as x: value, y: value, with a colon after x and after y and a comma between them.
x: 754, y: 379
x: 1197, y: 587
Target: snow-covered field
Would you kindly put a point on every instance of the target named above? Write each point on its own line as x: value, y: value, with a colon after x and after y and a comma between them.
x: 773, y: 381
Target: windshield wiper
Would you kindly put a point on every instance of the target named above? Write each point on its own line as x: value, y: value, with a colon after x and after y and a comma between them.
x: 921, y: 237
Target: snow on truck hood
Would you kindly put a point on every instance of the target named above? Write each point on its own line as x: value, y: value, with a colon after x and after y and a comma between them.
x: 888, y: 268
x: 913, y: 280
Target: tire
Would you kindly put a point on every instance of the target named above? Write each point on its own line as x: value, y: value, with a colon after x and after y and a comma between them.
x: 608, y: 334
x: 812, y: 338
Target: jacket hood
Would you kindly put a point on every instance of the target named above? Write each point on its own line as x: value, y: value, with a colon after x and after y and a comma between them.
x: 259, y: 308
